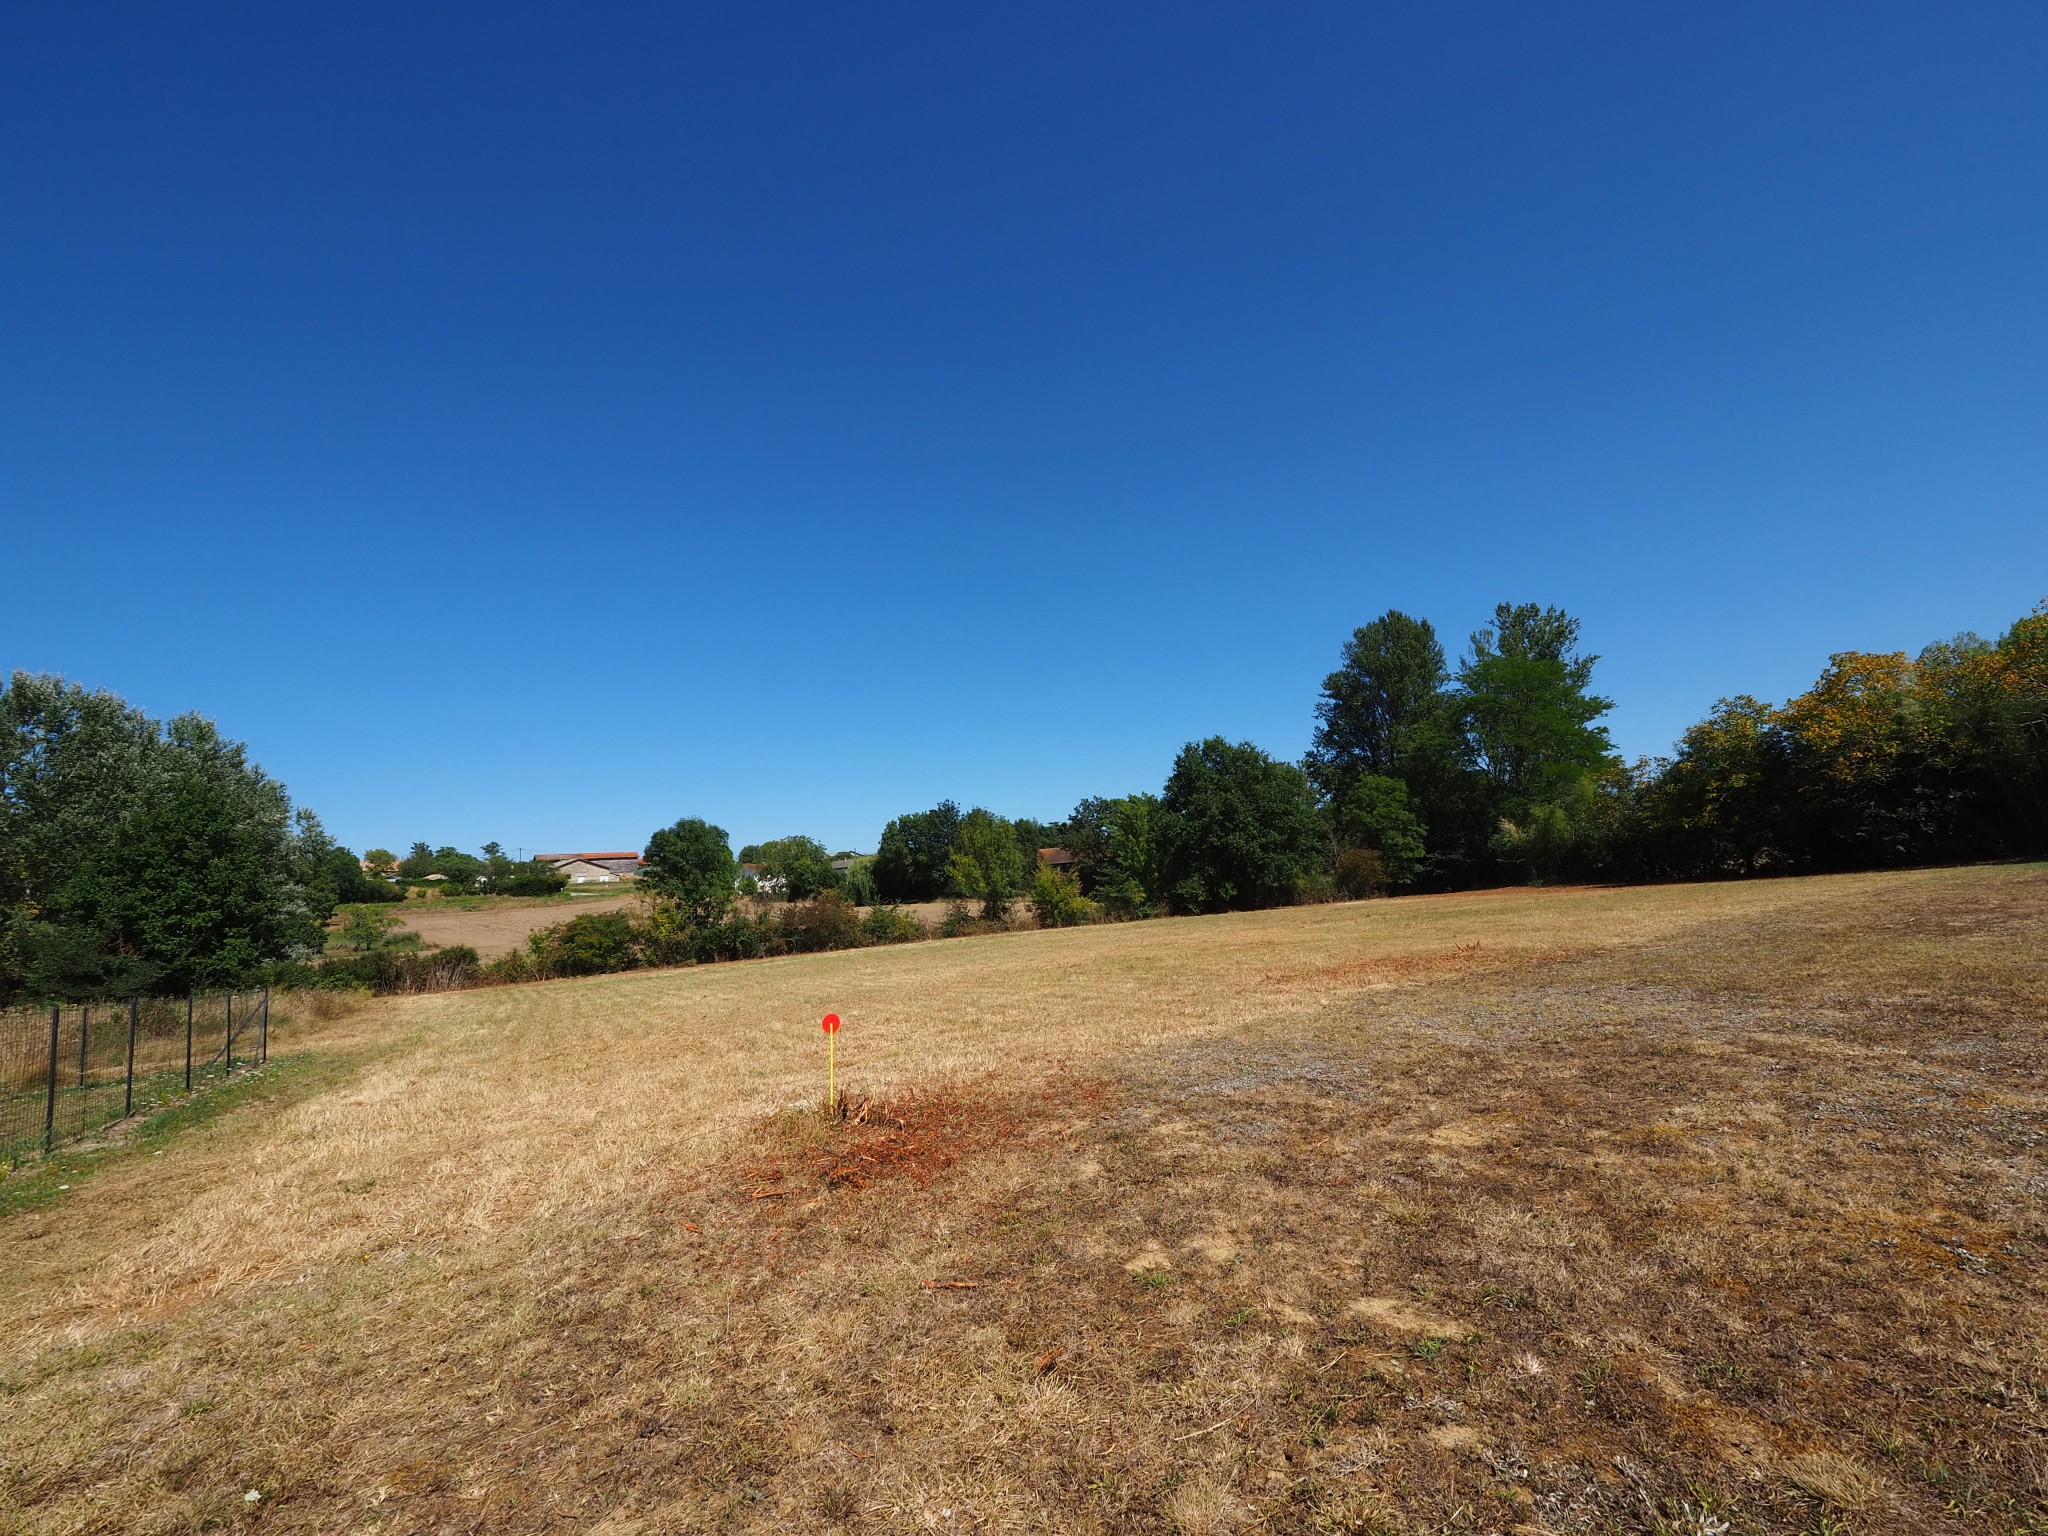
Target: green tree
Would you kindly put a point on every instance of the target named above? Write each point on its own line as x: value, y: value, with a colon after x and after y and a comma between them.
x: 382, y: 861
x: 691, y: 864
x: 800, y: 863
x: 1389, y: 684
x: 418, y: 862
x: 1373, y: 813
x: 1123, y: 872
x: 1527, y: 712
x: 913, y: 860
x: 1238, y: 829
x: 987, y: 864
x: 138, y: 856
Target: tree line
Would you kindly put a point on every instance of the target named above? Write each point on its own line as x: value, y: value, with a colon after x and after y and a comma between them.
x: 144, y: 856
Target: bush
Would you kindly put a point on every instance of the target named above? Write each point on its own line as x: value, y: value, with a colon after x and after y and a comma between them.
x: 1361, y: 872
x: 827, y: 921
x: 385, y: 971
x: 739, y: 937
x: 892, y: 925
x: 962, y: 922
x: 590, y: 945
x: 533, y: 878
x: 1057, y: 900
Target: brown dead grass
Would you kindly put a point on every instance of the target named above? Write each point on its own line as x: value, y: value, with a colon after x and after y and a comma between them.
x: 1720, y: 1203
x: 501, y: 927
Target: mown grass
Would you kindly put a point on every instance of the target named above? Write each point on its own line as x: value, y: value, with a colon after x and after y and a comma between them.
x: 1650, y: 1210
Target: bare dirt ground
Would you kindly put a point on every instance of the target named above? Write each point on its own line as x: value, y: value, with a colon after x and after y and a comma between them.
x: 496, y: 930
x: 1713, y: 1210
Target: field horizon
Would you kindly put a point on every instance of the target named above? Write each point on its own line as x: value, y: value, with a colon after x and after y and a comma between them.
x: 1706, y: 1208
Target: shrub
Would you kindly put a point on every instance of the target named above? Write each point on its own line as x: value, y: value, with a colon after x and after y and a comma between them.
x: 892, y: 925
x: 533, y: 878
x: 963, y: 922
x: 1057, y: 900
x: 1361, y: 872
x: 739, y: 937
x: 591, y: 945
x: 827, y: 921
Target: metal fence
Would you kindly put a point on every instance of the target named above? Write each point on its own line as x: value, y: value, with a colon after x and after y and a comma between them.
x: 69, y: 1070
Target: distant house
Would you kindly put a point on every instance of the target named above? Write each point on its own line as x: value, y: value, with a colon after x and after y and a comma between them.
x: 765, y: 883
x: 593, y: 868
x: 1057, y: 858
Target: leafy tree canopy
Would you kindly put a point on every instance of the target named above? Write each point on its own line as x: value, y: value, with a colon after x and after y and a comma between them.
x: 691, y: 865
x: 800, y: 863
x: 138, y: 856
x: 913, y: 860
x: 1390, y: 682
x: 1527, y: 712
x: 1238, y: 829
x: 987, y: 862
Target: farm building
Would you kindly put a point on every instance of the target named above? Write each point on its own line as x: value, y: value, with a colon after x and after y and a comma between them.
x: 593, y: 868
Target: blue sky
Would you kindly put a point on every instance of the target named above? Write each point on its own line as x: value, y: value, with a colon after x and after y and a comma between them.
x: 541, y: 423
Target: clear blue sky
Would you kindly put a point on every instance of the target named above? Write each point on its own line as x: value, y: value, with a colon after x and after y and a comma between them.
x: 539, y: 424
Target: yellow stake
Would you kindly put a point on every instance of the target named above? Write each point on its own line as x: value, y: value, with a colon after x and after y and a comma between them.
x: 831, y: 1025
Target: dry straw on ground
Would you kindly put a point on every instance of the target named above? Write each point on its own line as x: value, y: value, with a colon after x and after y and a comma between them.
x: 1681, y: 1209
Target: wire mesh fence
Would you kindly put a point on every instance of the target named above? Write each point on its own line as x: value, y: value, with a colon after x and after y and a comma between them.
x: 71, y: 1069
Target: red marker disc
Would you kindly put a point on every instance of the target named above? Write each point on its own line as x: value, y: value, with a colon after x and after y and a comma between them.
x: 831, y: 1023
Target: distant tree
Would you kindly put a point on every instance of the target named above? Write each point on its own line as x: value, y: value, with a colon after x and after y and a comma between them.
x: 382, y: 861
x: 418, y: 862
x: 800, y: 863
x: 1718, y: 807
x: 913, y: 860
x: 987, y: 864
x: 1123, y: 873
x: 1390, y: 683
x: 691, y: 865
x: 1238, y: 829
x: 1524, y: 700
x: 1372, y: 813
x: 857, y: 884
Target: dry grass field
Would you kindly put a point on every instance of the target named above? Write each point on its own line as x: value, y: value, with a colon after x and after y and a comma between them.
x: 499, y: 927
x: 1689, y: 1209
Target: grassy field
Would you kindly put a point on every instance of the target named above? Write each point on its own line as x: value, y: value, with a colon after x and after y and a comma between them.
x: 497, y: 925
x: 1688, y: 1209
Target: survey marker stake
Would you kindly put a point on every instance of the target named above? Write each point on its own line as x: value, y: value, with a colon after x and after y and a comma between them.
x: 830, y: 1024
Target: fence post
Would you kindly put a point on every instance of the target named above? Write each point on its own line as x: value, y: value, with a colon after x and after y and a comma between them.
x: 84, y: 1029
x: 263, y: 1030
x: 129, y: 1107
x: 231, y: 1033
x: 188, y: 1042
x: 50, y: 1104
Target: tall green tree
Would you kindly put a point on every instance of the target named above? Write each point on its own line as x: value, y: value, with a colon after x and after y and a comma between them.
x: 987, y: 864
x: 690, y: 865
x: 913, y: 860
x: 1388, y: 686
x: 1238, y: 829
x: 136, y: 856
x: 1523, y: 692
